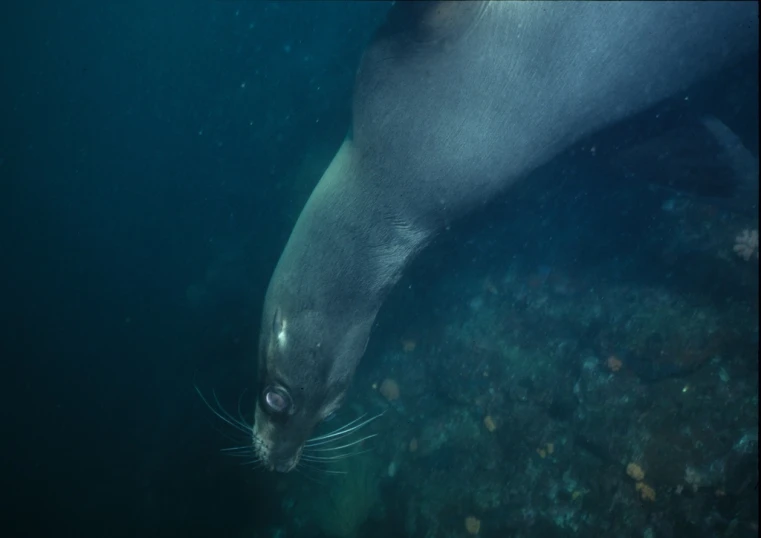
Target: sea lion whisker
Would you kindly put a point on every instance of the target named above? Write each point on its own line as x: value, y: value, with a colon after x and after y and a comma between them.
x: 232, y: 423
x: 320, y: 461
x: 302, y: 470
x: 246, y: 455
x: 229, y: 435
x: 308, y: 457
x: 337, y: 437
x: 329, y: 471
x: 303, y: 465
x: 243, y: 424
x: 338, y: 430
x: 233, y: 448
x: 327, y: 439
x: 342, y: 446
x: 240, y: 414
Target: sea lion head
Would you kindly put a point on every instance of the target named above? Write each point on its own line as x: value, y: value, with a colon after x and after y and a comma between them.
x: 306, y: 362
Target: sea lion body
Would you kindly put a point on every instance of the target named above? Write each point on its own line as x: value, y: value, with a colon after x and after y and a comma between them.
x: 450, y: 108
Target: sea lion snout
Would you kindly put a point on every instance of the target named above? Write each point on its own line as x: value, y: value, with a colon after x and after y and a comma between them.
x: 275, y: 454
x: 279, y: 440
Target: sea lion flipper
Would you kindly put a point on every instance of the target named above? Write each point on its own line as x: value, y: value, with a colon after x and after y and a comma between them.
x: 734, y: 153
x: 702, y: 157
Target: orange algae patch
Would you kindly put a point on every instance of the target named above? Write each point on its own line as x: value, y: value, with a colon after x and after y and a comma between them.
x: 489, y: 423
x: 645, y: 492
x: 408, y: 345
x: 635, y: 472
x: 389, y: 389
x: 472, y: 525
x: 614, y: 363
x: 545, y: 450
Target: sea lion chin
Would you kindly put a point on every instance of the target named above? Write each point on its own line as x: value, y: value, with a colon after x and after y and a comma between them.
x: 450, y: 108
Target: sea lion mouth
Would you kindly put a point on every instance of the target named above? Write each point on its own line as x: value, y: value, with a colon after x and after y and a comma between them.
x: 272, y: 457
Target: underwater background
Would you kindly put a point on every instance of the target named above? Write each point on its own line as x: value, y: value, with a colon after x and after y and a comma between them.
x: 579, y: 358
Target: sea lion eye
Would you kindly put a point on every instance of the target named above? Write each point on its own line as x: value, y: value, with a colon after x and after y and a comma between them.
x: 276, y: 399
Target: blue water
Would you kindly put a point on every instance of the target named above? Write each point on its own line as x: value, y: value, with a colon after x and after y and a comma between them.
x: 153, y: 160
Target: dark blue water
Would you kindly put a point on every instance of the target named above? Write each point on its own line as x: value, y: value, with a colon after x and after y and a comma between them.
x: 153, y: 159
x: 146, y: 149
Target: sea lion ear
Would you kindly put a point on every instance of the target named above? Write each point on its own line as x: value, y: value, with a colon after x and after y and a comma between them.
x: 279, y: 334
x: 277, y: 322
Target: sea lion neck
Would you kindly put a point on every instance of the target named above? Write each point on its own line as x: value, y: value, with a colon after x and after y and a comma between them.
x: 350, y: 244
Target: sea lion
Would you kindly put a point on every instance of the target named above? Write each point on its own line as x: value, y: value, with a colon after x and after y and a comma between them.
x: 454, y: 102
